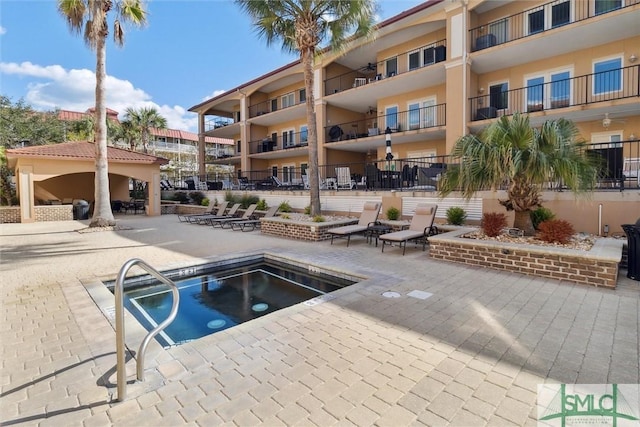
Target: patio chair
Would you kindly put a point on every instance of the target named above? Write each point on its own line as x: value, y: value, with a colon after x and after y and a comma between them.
x: 222, y: 222
x: 231, y: 213
x: 343, y: 179
x: 210, y: 211
x: 252, y: 224
x: 420, y: 228
x: 368, y: 217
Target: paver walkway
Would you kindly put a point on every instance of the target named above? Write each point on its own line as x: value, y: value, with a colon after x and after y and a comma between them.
x: 471, y: 354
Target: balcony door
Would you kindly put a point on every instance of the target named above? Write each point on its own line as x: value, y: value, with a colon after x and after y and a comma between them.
x: 422, y: 114
x: 548, y: 16
x: 548, y: 90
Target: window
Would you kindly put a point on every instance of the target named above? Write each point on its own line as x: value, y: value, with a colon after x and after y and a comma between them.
x: 414, y: 60
x: 288, y: 100
x: 391, y: 115
x: 392, y: 67
x: 274, y: 170
x: 304, y: 134
x: 288, y: 138
x: 414, y: 116
x: 607, y: 76
x: 604, y: 6
x: 274, y: 105
x: 288, y: 173
x: 499, y: 96
x: 238, y: 146
x: 548, y: 16
x: 549, y: 90
x: 422, y: 114
x: 302, y: 95
x: 303, y: 168
x: 499, y: 30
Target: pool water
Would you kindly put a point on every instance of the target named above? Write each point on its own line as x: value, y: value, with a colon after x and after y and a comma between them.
x: 216, y: 300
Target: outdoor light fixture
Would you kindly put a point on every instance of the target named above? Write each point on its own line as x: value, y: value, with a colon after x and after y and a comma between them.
x: 387, y: 138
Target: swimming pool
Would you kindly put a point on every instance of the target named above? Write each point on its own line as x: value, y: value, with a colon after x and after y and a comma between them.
x: 216, y: 298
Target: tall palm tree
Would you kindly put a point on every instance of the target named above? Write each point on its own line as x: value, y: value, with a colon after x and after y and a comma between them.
x: 511, y: 153
x: 129, y: 134
x: 143, y: 120
x: 90, y: 17
x: 301, y: 25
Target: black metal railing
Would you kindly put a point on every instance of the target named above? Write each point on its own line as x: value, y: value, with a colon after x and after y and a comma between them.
x: 414, y: 59
x: 588, y: 89
x: 420, y: 118
x: 282, y: 141
x: 619, y: 162
x: 541, y: 18
x: 280, y: 102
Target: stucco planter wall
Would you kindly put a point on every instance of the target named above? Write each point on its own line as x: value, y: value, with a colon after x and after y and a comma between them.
x: 314, y: 231
x: 596, y: 267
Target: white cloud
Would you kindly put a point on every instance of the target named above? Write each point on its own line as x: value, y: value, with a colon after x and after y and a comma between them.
x: 214, y: 94
x: 75, y: 90
x: 3, y: 30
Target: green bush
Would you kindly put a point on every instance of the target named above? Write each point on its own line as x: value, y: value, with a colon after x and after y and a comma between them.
x: 262, y: 205
x: 307, y: 210
x: 285, y: 207
x: 318, y: 218
x: 456, y: 215
x: 229, y: 197
x: 285, y: 216
x: 248, y: 199
x: 180, y: 196
x: 393, y: 214
x: 205, y: 202
x: 541, y: 215
x: 197, y: 197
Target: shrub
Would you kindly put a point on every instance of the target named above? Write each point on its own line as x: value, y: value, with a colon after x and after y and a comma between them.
x: 197, y: 197
x: 555, y: 231
x: 307, y: 210
x: 229, y: 197
x: 180, y: 196
x: 285, y: 207
x: 493, y: 223
x: 318, y: 218
x: 205, y: 202
x: 541, y: 215
x: 285, y: 216
x: 393, y: 214
x: 456, y: 215
x: 262, y: 205
x: 247, y: 199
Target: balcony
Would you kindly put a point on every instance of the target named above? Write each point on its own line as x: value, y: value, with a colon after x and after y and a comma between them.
x: 540, y: 19
x: 412, y: 120
x: 617, y: 84
x: 284, y: 141
x: 414, y: 59
x: 278, y: 103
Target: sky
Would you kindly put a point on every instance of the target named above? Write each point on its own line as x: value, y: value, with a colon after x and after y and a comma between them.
x: 189, y: 51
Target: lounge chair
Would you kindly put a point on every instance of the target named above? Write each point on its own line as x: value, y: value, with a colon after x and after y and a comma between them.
x: 210, y: 211
x: 252, y: 224
x: 420, y: 228
x: 222, y: 222
x: 368, y: 217
x: 231, y: 213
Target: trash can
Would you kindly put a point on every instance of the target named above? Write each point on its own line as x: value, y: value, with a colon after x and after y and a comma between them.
x: 633, y: 243
x: 81, y: 209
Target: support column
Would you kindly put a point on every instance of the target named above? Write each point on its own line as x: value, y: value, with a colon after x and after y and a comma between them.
x: 153, y: 209
x: 202, y: 169
x: 25, y: 188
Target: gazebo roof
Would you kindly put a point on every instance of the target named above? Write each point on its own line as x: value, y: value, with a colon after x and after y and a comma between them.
x: 82, y: 151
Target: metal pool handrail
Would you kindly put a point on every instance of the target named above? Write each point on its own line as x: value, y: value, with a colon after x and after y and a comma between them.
x: 120, y: 344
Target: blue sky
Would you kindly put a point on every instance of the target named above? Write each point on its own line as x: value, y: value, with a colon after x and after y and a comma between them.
x: 188, y: 52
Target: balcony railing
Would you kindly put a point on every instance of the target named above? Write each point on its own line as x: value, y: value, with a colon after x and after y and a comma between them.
x: 217, y: 123
x: 280, y: 142
x: 420, y: 118
x: 281, y: 102
x: 620, y: 170
x: 588, y: 89
x: 414, y: 59
x: 541, y: 18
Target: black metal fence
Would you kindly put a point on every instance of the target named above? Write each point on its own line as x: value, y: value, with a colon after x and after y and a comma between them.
x: 620, y: 170
x: 541, y: 18
x: 607, y: 85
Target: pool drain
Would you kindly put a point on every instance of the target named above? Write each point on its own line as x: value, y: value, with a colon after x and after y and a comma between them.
x: 216, y: 324
x: 391, y: 294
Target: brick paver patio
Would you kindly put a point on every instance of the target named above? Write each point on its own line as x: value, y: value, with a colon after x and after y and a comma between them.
x: 471, y: 354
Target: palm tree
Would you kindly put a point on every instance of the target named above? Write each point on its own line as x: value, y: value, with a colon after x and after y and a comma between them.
x: 129, y: 134
x: 142, y: 120
x: 301, y: 25
x: 511, y: 153
x: 90, y: 18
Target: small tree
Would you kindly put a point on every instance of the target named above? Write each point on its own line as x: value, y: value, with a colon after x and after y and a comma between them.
x: 510, y: 152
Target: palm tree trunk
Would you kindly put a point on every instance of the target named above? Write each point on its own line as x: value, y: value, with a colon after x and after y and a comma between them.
x: 102, y: 214
x: 312, y: 140
x: 523, y: 221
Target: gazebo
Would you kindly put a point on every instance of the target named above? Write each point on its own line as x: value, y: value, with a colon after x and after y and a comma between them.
x: 50, y: 174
